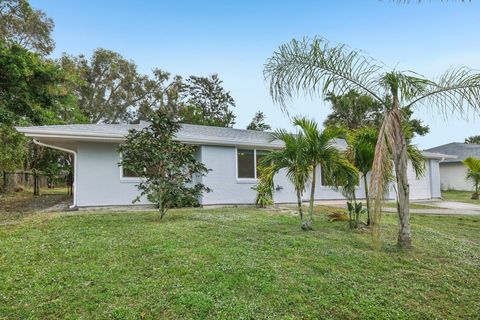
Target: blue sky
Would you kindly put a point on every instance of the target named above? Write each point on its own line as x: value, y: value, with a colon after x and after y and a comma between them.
x: 235, y: 38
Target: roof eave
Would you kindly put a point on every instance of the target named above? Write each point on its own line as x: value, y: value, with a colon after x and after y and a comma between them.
x: 95, y: 137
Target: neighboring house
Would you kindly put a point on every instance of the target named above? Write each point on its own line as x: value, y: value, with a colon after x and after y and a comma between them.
x: 452, y: 171
x: 230, y: 154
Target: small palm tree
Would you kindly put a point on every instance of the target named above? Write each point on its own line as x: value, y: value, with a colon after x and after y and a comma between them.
x: 322, y: 152
x: 473, y: 174
x: 317, y: 68
x: 293, y: 158
x: 361, y: 152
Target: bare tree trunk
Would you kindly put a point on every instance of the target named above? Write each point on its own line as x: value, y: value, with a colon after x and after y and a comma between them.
x: 36, y: 183
x: 312, y: 198
x: 367, y: 198
x: 400, y: 160
x: 5, y: 182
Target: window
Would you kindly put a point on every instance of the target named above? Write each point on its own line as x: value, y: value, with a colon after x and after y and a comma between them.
x: 247, y: 162
x: 128, y: 173
x: 125, y: 173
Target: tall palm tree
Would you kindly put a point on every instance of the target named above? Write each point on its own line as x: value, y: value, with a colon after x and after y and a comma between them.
x: 361, y: 152
x: 315, y: 67
x: 293, y: 158
x: 473, y: 174
x: 322, y: 152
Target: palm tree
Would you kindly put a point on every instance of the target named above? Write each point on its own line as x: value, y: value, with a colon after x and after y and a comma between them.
x: 293, y: 158
x: 361, y: 152
x: 317, y: 68
x: 321, y: 151
x: 473, y: 174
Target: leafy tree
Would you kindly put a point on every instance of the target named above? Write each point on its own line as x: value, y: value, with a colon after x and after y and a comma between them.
x: 161, y: 92
x: 25, y: 26
x: 353, y: 110
x: 168, y: 169
x: 473, y: 140
x: 322, y: 152
x: 11, y: 153
x: 207, y: 103
x: 109, y: 87
x: 293, y: 158
x: 315, y: 66
x: 473, y: 174
x: 33, y: 91
x: 258, y: 123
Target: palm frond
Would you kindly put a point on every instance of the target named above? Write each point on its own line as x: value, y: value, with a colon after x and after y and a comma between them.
x: 315, y: 67
x: 417, y: 160
x: 456, y: 90
x: 381, y: 172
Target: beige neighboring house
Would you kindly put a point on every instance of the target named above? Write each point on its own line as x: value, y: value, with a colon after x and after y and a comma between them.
x: 452, y: 171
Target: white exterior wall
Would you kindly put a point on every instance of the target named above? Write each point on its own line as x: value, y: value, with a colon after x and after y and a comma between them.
x: 227, y: 189
x: 98, y: 177
x: 435, y: 178
x: 452, y: 176
x: 222, y: 178
x: 99, y: 182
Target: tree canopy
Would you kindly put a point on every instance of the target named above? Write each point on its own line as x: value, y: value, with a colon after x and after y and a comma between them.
x: 25, y: 26
x: 258, y: 123
x: 473, y: 140
x: 207, y: 102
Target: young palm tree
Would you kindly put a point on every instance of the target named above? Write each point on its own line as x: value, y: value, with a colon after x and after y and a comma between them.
x: 321, y: 151
x: 317, y: 68
x: 361, y: 152
x: 473, y: 174
x: 293, y: 158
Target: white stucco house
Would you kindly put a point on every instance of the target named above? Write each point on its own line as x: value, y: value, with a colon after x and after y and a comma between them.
x: 230, y: 154
x: 452, y: 171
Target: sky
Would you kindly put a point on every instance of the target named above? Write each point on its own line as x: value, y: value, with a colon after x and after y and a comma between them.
x: 235, y: 38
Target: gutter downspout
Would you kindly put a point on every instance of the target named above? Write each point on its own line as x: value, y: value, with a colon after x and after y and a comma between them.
x: 74, y: 205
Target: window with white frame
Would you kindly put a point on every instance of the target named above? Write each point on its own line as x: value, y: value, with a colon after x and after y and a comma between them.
x: 247, y: 162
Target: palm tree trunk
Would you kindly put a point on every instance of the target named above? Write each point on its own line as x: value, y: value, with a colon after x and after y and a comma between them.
x: 367, y: 198
x: 403, y: 205
x: 312, y: 197
x: 300, y: 210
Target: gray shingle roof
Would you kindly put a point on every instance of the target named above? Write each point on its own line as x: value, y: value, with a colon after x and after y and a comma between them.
x: 458, y: 149
x: 190, y: 133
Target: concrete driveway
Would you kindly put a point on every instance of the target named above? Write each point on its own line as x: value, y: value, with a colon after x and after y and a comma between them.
x: 442, y: 207
x: 445, y: 208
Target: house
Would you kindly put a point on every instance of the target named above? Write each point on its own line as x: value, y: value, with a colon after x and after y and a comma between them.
x: 230, y: 154
x: 452, y: 171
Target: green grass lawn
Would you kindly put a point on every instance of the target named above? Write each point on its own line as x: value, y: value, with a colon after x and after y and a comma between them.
x: 413, y: 205
x: 234, y: 264
x: 461, y: 196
